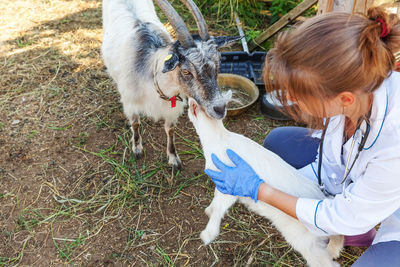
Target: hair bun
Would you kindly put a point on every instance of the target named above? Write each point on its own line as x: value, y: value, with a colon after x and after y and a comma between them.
x: 376, y: 12
x: 385, y: 29
x: 380, y: 27
x: 380, y: 38
x: 386, y: 24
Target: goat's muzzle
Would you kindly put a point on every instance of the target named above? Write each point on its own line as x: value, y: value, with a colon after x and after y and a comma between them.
x: 220, y: 110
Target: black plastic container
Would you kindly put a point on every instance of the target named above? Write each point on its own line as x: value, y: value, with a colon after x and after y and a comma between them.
x: 244, y: 64
x: 251, y: 66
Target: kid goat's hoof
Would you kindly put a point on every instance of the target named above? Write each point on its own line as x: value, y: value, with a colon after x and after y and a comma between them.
x: 207, y: 237
x: 177, y: 167
x: 138, y: 153
x: 176, y: 164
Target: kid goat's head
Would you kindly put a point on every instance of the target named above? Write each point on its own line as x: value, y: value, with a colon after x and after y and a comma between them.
x: 198, y: 116
x: 195, y: 59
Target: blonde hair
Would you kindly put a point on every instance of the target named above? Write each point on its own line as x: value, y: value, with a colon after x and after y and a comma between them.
x: 329, y: 54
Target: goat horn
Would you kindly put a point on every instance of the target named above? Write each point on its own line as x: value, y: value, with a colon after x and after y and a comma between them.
x: 201, y: 23
x: 177, y: 23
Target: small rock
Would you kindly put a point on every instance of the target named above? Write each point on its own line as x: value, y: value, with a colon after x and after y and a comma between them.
x: 15, y: 122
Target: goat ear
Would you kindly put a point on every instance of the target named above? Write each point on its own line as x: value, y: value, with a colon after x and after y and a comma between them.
x: 224, y: 41
x: 170, y: 62
x: 193, y: 106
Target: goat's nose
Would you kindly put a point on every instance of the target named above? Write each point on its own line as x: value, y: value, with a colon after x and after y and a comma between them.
x: 220, y: 110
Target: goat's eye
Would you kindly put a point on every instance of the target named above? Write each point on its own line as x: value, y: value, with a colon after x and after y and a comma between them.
x: 186, y: 72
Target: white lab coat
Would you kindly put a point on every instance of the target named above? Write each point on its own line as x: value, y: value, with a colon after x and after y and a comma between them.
x: 372, y: 191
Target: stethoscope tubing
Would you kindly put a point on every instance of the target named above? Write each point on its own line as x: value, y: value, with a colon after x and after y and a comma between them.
x: 360, y: 148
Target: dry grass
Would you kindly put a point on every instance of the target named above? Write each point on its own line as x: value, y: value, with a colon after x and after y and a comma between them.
x: 70, y: 191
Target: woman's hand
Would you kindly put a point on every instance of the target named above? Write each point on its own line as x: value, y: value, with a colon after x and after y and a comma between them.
x: 240, y: 180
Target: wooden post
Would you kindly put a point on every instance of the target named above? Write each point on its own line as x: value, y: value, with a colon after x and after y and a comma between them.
x: 350, y: 6
x: 325, y: 6
x: 361, y: 6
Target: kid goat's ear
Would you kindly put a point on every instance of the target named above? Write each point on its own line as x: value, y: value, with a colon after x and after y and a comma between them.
x: 170, y: 62
x: 193, y: 106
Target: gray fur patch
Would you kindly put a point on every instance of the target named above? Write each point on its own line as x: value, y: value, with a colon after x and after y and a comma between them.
x: 148, y: 41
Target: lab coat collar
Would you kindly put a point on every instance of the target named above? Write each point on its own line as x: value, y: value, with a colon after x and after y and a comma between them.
x: 335, y: 128
x: 378, y: 114
x: 334, y: 141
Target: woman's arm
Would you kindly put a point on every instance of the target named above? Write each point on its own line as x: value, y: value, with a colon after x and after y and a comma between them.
x: 278, y: 199
x: 241, y: 180
x: 370, y: 200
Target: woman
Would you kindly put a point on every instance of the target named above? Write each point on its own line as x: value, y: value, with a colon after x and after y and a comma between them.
x: 338, y: 69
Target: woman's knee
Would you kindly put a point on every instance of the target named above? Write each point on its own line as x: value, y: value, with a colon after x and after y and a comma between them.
x: 381, y: 254
x: 292, y: 144
x: 282, y: 137
x: 272, y: 138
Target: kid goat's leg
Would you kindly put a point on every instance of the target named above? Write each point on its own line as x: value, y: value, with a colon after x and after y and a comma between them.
x: 216, y: 211
x: 173, y: 158
x: 137, y: 146
x: 312, y: 248
x: 335, y: 245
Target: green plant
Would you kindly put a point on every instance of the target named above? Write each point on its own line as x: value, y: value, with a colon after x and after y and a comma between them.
x: 3, y: 261
x: 82, y: 138
x: 22, y: 42
x: 29, y: 218
x: 252, y: 34
x: 224, y: 10
x: 221, y: 14
x: 65, y: 251
x: 281, y: 7
x: 32, y: 134
x: 62, y: 128
x: 164, y: 255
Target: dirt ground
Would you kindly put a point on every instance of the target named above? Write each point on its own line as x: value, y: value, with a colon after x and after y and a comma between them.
x: 70, y: 191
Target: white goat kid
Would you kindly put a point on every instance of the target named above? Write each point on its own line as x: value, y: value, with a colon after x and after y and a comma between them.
x: 152, y: 71
x: 215, y: 138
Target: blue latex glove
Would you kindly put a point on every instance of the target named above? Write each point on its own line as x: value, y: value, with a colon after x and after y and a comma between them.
x: 240, y: 180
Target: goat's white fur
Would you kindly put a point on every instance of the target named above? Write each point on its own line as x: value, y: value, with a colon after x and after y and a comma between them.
x: 215, y: 138
x: 138, y: 94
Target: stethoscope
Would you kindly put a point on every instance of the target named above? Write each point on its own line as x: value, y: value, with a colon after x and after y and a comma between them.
x: 360, y: 148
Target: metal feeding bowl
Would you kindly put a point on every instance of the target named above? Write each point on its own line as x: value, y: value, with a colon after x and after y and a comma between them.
x: 244, y: 92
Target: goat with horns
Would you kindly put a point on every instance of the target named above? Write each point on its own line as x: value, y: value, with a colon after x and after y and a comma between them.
x: 154, y: 74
